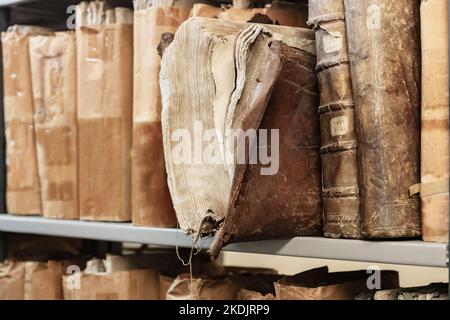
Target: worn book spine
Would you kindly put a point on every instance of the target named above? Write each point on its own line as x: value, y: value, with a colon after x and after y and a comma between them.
x: 340, y: 191
x: 384, y: 52
x: 105, y: 100
x: 151, y: 202
x: 434, y: 191
x: 23, y: 195
x: 53, y: 66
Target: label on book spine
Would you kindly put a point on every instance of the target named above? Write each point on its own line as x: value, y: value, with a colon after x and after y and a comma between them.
x: 332, y: 43
x: 339, y: 126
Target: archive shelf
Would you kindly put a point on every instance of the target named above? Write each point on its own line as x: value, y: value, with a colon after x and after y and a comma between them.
x: 392, y: 252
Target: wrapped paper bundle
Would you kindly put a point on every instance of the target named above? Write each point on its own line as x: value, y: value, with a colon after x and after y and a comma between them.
x: 278, y: 12
x: 384, y: 54
x: 115, y: 278
x: 53, y: 66
x: 12, y: 280
x: 435, y: 136
x: 340, y: 191
x: 213, y: 282
x: 319, y: 284
x: 202, y: 288
x: 23, y: 194
x: 31, y: 280
x: 248, y: 80
x: 105, y: 97
x: 43, y: 280
x: 151, y: 203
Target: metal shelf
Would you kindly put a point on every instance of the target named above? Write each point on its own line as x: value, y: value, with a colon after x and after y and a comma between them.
x: 5, y: 3
x: 392, y: 252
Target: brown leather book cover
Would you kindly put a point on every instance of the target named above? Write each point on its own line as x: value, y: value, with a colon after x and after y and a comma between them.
x: 340, y: 190
x: 241, y: 70
x: 435, y: 136
x: 258, y: 209
x: 384, y: 53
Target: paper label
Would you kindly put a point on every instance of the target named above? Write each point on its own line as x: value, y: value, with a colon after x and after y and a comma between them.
x: 331, y: 43
x: 339, y: 126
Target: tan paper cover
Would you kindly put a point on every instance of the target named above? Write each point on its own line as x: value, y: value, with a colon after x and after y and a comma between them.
x: 435, y: 136
x: 245, y: 294
x: 105, y: 93
x: 12, y: 280
x: 43, y: 280
x: 151, y: 202
x: 116, y: 278
x: 53, y: 65
x: 202, y: 288
x: 23, y: 190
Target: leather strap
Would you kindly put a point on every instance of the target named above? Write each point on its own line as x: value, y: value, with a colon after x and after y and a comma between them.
x: 430, y: 188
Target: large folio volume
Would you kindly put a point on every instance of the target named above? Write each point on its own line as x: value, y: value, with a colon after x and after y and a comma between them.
x: 105, y: 97
x: 435, y: 137
x: 384, y: 53
x: 23, y: 194
x: 340, y: 190
x: 255, y: 82
x: 54, y: 82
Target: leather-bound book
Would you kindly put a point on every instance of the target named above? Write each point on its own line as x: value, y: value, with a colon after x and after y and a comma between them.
x: 252, y: 82
x: 384, y: 53
x: 340, y: 190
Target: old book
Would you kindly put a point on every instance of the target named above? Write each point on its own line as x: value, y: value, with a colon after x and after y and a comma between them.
x: 23, y: 194
x: 326, y: 10
x: 114, y: 278
x: 278, y: 12
x: 244, y: 294
x: 105, y: 98
x: 319, y: 284
x: 43, y: 280
x: 257, y: 209
x: 202, y: 288
x: 340, y: 191
x: 12, y: 280
x: 200, y: 264
x: 435, y: 136
x: 384, y: 54
x: 151, y: 202
x: 53, y: 73
x: 237, y: 66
